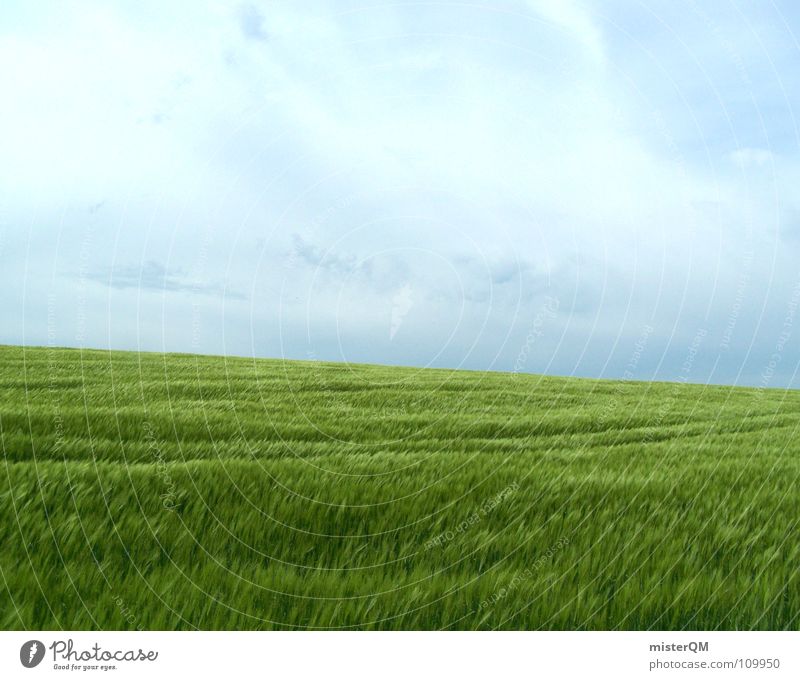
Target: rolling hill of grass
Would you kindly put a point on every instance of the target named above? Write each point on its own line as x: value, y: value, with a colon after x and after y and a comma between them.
x: 173, y: 491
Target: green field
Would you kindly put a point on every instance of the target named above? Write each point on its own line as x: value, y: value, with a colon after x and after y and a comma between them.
x: 159, y: 491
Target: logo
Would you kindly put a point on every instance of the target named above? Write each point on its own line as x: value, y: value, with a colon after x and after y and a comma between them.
x: 31, y: 653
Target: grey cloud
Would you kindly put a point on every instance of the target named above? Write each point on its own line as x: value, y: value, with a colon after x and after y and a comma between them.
x: 329, y: 259
x: 501, y: 279
x: 251, y: 22
x: 152, y: 275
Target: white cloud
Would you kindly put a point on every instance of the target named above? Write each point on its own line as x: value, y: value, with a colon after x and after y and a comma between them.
x: 575, y: 21
x: 751, y: 157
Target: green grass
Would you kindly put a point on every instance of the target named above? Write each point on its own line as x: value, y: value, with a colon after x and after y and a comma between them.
x: 173, y: 491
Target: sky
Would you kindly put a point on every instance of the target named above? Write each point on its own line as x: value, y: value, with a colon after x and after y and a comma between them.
x: 598, y: 189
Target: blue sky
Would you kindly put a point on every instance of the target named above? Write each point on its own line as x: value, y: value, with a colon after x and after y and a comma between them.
x: 577, y: 188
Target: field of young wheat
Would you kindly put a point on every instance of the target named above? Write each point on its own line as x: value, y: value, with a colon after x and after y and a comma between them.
x: 149, y: 491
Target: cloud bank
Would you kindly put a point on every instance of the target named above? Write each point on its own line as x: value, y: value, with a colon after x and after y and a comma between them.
x: 406, y: 183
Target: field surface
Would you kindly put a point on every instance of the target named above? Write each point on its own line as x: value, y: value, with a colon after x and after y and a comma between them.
x: 158, y: 491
